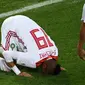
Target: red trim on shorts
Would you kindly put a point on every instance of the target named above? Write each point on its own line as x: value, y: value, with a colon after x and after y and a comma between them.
x: 41, y: 61
x: 8, y: 37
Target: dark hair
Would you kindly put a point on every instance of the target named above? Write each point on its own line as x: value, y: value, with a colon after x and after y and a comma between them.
x: 50, y: 67
x: 57, y: 69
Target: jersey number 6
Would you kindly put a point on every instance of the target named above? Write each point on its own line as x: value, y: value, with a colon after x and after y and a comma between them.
x: 44, y: 39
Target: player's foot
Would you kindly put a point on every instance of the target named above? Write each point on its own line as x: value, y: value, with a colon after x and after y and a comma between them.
x: 63, y: 69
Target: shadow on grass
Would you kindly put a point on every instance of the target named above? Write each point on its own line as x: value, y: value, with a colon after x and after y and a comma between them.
x: 39, y: 79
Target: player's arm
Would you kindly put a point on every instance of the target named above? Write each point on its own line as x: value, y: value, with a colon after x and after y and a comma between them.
x: 16, y: 70
x: 81, y: 51
x: 8, y: 58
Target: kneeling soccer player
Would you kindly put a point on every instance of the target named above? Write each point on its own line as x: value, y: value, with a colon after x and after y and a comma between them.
x: 24, y: 41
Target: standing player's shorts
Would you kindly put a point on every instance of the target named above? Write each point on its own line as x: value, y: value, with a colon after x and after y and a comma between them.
x: 83, y: 14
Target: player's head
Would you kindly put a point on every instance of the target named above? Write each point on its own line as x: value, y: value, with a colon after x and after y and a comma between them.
x: 50, y: 67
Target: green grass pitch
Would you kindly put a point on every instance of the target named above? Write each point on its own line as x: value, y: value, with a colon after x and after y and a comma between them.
x: 62, y: 22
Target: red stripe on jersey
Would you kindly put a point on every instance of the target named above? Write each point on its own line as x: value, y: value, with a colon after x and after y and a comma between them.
x: 8, y: 37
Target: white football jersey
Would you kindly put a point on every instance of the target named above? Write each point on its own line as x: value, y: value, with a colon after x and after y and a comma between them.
x: 83, y: 14
x: 20, y: 33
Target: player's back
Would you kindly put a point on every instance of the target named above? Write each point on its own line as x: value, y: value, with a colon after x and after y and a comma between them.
x: 18, y: 25
x: 21, y: 25
x: 18, y: 21
x: 27, y: 33
x: 33, y: 37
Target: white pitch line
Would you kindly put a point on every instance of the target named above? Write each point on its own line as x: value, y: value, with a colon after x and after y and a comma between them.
x: 29, y: 8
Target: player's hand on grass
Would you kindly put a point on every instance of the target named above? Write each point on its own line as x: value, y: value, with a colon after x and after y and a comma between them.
x: 25, y: 74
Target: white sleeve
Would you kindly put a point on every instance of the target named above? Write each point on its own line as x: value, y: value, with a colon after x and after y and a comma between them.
x: 83, y: 14
x: 8, y: 56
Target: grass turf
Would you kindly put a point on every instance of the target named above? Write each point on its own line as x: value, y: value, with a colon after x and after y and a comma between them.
x: 62, y: 22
